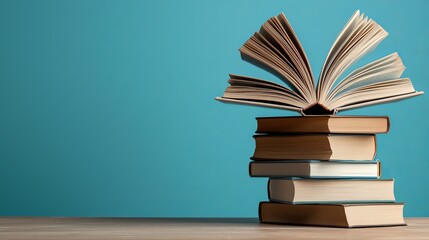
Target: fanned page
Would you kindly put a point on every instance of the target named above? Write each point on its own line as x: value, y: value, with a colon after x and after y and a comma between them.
x: 380, y: 90
x: 381, y: 100
x: 277, y: 49
x: 371, y: 84
x: 389, y: 67
x: 258, y: 104
x: 253, y: 91
x: 360, y: 36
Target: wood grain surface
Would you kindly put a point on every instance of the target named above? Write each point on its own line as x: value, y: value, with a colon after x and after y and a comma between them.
x: 192, y: 228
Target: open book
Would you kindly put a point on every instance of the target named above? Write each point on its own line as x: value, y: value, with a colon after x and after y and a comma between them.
x: 277, y: 49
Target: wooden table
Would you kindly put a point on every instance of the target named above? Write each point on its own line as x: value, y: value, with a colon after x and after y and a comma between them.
x: 235, y: 228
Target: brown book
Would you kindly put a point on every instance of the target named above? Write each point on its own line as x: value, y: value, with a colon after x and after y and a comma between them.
x: 324, y: 124
x: 276, y: 48
x: 314, y: 147
x: 315, y: 169
x: 299, y: 191
x: 333, y: 215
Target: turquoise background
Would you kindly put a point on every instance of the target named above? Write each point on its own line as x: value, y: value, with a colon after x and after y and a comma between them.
x: 107, y: 107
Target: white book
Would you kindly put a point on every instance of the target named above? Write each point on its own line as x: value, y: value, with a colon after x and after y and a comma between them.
x: 315, y: 169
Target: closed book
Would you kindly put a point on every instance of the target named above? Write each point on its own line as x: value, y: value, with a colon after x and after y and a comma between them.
x: 333, y: 215
x: 315, y: 169
x: 303, y: 191
x: 315, y: 146
x: 324, y: 124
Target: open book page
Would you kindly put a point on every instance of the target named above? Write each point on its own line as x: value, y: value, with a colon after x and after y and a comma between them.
x: 277, y: 49
x: 373, y: 91
x: 365, y: 35
x: 379, y: 101
x: 339, y: 42
x: 250, y: 89
x: 386, y: 68
x: 306, y: 69
x: 258, y: 51
x: 274, y: 47
x: 238, y: 80
x: 261, y: 94
x: 259, y: 104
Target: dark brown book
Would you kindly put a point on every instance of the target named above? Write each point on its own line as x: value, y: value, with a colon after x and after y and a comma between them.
x: 314, y: 147
x: 324, y: 124
x: 299, y: 191
x: 333, y: 215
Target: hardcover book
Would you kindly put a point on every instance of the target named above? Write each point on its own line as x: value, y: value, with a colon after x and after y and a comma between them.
x: 314, y: 147
x: 315, y: 169
x: 333, y: 215
x: 299, y: 191
x: 323, y: 124
x: 276, y: 48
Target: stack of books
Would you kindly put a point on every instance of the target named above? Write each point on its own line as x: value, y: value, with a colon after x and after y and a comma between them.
x: 321, y: 166
x: 321, y: 171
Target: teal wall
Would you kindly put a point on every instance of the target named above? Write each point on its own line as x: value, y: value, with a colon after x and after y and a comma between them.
x: 107, y: 106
